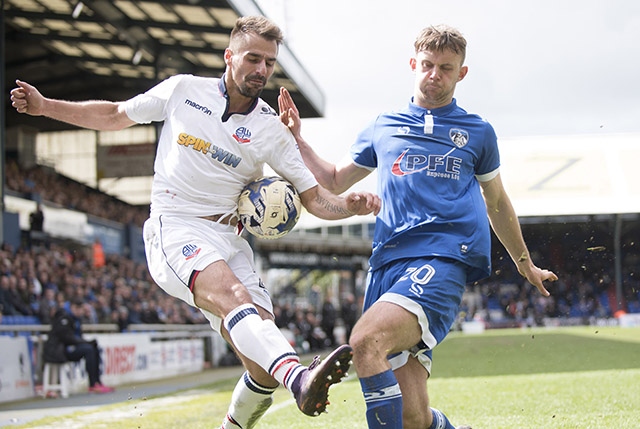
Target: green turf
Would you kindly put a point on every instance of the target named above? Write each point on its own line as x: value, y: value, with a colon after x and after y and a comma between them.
x: 578, y: 378
x: 515, y: 352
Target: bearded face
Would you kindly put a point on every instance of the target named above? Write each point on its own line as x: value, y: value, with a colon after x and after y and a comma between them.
x: 250, y: 63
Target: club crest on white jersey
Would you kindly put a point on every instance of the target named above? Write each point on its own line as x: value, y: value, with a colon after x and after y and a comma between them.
x: 242, y: 135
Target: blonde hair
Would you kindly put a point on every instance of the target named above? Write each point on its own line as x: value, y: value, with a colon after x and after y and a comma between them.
x: 440, y: 38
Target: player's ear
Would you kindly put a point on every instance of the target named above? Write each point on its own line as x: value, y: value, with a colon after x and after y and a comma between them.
x: 412, y: 63
x: 463, y: 72
x: 228, y: 53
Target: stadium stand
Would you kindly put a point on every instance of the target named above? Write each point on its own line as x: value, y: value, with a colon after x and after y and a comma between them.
x: 582, y: 257
x: 38, y: 278
x: 41, y: 183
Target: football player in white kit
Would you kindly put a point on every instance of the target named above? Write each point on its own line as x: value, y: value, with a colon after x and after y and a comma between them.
x: 217, y: 136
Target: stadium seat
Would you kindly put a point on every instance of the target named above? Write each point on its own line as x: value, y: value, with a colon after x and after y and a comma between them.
x: 604, y: 301
x: 575, y: 311
x: 493, y: 304
x: 20, y: 320
x: 633, y: 307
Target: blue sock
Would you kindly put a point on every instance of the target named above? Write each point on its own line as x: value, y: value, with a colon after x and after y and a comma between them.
x: 383, y: 399
x: 440, y: 421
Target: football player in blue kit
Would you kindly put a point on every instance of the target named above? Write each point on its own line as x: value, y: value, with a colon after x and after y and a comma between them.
x: 439, y: 179
x: 217, y: 136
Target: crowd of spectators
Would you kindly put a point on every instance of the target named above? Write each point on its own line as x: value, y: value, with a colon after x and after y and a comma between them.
x: 37, y: 279
x: 40, y: 183
x: 584, y: 261
x: 42, y: 276
x: 313, y: 327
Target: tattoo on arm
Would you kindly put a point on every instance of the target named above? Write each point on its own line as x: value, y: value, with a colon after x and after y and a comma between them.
x: 332, y: 207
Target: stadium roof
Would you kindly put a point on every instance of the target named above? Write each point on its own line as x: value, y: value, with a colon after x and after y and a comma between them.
x: 561, y: 177
x: 572, y: 175
x: 112, y: 50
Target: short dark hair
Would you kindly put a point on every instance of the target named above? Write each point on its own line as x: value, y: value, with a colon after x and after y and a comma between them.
x: 259, y: 25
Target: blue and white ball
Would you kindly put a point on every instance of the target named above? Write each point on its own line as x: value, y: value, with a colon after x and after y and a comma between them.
x: 269, y: 207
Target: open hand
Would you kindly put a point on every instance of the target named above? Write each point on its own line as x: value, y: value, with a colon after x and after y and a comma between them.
x: 536, y: 276
x: 363, y: 203
x: 289, y: 114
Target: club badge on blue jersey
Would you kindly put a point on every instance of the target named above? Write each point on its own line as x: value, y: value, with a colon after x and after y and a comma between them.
x: 458, y: 137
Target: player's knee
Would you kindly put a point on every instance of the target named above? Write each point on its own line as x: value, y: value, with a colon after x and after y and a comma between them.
x: 202, y: 299
x: 220, y: 300
x: 364, y: 343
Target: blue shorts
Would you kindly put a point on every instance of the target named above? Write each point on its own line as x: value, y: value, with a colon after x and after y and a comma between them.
x: 429, y: 287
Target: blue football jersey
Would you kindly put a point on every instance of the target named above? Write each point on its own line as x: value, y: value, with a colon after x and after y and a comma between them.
x: 429, y: 162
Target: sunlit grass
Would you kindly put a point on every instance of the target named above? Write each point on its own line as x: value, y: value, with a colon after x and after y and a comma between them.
x: 578, y: 378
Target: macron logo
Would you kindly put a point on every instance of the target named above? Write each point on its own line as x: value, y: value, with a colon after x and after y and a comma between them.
x: 203, y: 109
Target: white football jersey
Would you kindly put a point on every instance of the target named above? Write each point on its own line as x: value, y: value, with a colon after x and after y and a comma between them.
x: 205, y: 158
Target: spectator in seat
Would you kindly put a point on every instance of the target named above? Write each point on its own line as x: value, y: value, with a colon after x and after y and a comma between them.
x: 149, y: 313
x: 5, y: 297
x: 349, y: 311
x: 66, y: 338
x: 99, y: 259
x: 47, y: 306
x: 36, y: 222
x: 328, y: 322
x: 36, y: 219
x: 14, y: 304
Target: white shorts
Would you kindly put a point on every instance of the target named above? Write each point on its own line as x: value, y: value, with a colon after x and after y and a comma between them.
x: 178, y: 247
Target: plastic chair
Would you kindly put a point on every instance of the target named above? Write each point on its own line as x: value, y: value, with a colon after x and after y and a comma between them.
x: 56, y: 377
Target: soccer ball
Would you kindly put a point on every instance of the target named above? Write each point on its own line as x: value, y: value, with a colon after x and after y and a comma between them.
x: 269, y: 207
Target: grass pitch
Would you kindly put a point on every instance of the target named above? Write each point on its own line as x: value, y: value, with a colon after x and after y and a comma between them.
x: 582, y: 378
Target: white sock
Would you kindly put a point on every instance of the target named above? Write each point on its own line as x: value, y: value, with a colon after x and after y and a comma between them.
x: 262, y: 342
x: 229, y: 423
x: 249, y: 402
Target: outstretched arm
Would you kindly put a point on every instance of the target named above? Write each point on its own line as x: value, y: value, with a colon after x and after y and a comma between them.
x: 336, y: 179
x: 95, y: 115
x: 325, y: 205
x: 507, y: 228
